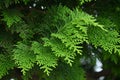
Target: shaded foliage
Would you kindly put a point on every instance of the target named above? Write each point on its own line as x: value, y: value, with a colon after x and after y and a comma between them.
x: 47, y: 39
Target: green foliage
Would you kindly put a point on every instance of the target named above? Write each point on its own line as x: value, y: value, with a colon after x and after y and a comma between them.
x: 72, y: 32
x: 64, y: 72
x: 84, y: 1
x: 44, y: 57
x: 108, y: 40
x: 5, y: 64
x: 53, y: 38
x: 23, y: 57
x: 7, y: 3
x: 11, y: 17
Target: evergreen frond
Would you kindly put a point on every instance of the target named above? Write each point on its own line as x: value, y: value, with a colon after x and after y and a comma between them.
x: 44, y: 57
x: 66, y: 42
x: 11, y: 16
x: 84, y: 1
x: 60, y: 50
x: 51, y: 36
x: 109, y: 42
x: 23, y: 57
x: 64, y: 72
x: 5, y: 64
